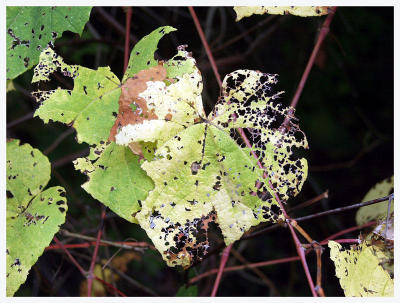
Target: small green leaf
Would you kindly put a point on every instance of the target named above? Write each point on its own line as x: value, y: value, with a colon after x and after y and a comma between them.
x: 30, y: 29
x: 115, y: 178
x: 33, y: 215
x: 184, y: 291
x: 377, y: 210
x: 142, y: 55
x: 360, y: 272
x: 91, y: 106
x: 302, y: 11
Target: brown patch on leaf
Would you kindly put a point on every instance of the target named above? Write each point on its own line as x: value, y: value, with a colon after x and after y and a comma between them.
x: 129, y: 99
x: 193, y: 251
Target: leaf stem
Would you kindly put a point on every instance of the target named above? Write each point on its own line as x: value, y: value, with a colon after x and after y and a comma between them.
x: 205, y: 44
x: 127, y: 35
x: 224, y: 259
x: 96, y: 249
x: 321, y: 37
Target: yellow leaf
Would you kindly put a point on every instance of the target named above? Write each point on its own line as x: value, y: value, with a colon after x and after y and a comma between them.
x: 302, y: 11
x: 377, y: 210
x: 360, y: 272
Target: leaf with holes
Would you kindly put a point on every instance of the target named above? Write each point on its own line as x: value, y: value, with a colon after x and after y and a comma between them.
x: 377, y: 210
x: 302, y: 11
x: 206, y: 173
x: 33, y: 215
x: 30, y: 29
x: 99, y: 102
x: 360, y: 272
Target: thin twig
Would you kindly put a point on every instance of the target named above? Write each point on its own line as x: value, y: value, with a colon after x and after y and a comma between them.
x: 224, y: 259
x: 127, y: 33
x: 96, y: 249
x: 125, y: 245
x: 59, y: 139
x: 324, y: 195
x: 19, y: 120
x: 341, y: 209
x: 257, y: 271
x: 71, y: 258
x: 350, y: 229
x: 110, y: 286
x: 318, y: 286
x: 205, y: 44
x: 321, y: 37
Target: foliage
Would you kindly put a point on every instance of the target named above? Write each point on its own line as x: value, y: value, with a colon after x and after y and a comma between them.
x: 360, y: 272
x: 190, y: 291
x: 34, y: 215
x: 31, y: 29
x: 302, y: 11
x: 224, y: 183
x: 377, y: 210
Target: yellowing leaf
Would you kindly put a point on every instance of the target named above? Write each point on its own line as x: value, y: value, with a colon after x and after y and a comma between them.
x: 206, y: 174
x: 161, y: 106
x: 302, y: 11
x: 360, y: 272
x: 33, y: 215
x: 377, y: 210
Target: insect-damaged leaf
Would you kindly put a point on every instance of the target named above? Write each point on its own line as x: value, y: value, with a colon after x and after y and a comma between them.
x: 203, y: 175
x: 115, y: 178
x: 32, y: 29
x: 91, y: 106
x: 33, y: 215
x: 302, y: 11
x: 159, y: 102
x: 360, y: 272
x: 142, y: 56
x: 377, y: 210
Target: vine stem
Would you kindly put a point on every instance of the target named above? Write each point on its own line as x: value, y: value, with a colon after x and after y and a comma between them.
x: 127, y: 36
x: 115, y: 290
x: 224, y: 259
x: 205, y: 44
x: 321, y: 37
x: 71, y: 258
x: 96, y: 249
x: 125, y: 245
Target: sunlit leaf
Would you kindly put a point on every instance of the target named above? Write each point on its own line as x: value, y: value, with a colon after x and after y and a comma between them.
x: 377, y: 210
x: 360, y: 272
x: 302, y: 11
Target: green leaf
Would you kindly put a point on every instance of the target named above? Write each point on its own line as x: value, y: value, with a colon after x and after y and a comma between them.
x: 377, y: 210
x: 302, y: 11
x: 91, y: 106
x: 142, y: 55
x: 115, y: 178
x: 33, y: 215
x: 30, y: 29
x: 360, y: 272
x: 184, y: 291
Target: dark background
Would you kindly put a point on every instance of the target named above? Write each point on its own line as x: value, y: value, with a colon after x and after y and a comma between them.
x: 346, y: 111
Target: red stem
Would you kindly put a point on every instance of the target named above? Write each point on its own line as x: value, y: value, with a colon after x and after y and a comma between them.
x: 93, y: 243
x: 127, y: 36
x: 205, y: 44
x: 72, y: 259
x: 224, y: 259
x: 350, y: 229
x: 321, y: 37
x: 110, y: 286
x: 96, y: 249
